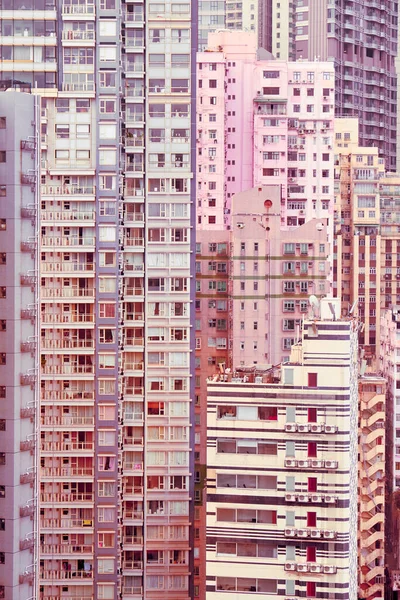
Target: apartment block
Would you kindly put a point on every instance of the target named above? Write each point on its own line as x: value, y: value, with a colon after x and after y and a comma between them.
x: 262, y: 121
x: 358, y: 231
x: 286, y: 523
x: 213, y: 349
x: 115, y: 272
x: 274, y: 270
x: 19, y: 345
x: 389, y: 365
x: 361, y: 38
x: 373, y: 489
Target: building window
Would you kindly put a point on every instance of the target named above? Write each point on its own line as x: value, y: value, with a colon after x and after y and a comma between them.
x: 312, y: 484
x: 312, y: 380
x: 311, y: 521
x: 2, y: 156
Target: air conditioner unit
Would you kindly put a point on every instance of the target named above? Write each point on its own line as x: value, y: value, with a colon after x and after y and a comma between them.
x: 290, y: 427
x: 303, y: 533
x: 329, y: 535
x: 316, y: 533
x: 290, y: 497
x: 291, y: 532
x: 331, y: 428
x: 317, y: 464
x: 290, y: 462
x: 316, y: 428
x: 303, y: 427
x: 316, y: 498
x: 303, y: 498
x: 316, y: 568
x: 290, y: 566
x: 303, y: 463
x: 330, y: 499
x: 302, y: 568
x: 330, y: 569
x: 331, y: 464
x: 302, y: 212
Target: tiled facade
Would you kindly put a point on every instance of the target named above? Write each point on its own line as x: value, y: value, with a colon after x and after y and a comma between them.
x: 281, y: 471
x: 115, y: 272
x: 262, y: 121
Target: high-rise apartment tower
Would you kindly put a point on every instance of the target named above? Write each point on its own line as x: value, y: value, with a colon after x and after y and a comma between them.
x: 115, y: 289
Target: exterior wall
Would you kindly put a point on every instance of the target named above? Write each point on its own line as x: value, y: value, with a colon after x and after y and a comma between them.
x: 358, y: 235
x: 254, y: 412
x: 212, y: 324
x: 18, y: 346
x: 364, y: 56
x: 372, y: 488
x: 117, y: 299
x: 273, y: 274
x: 275, y: 120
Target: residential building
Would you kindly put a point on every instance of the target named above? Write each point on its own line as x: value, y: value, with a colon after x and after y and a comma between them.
x: 274, y: 270
x: 361, y: 39
x: 210, y: 18
x: 282, y: 469
x: 117, y: 299
x: 19, y: 349
x: 261, y: 121
x: 359, y: 232
x: 372, y: 486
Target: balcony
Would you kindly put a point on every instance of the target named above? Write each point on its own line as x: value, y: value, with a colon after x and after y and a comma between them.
x: 29, y: 246
x: 28, y: 212
x: 78, y: 36
x: 66, y: 267
x: 132, y: 565
x: 67, y: 241
x: 68, y: 369
x: 51, y: 498
x: 67, y: 189
x: 67, y: 215
x: 65, y: 524
x: 74, y: 395
x: 66, y: 344
x: 67, y: 421
x: 60, y: 549
x: 65, y: 576
x: 70, y: 317
x: 66, y: 446
x: 67, y: 292
x: 67, y: 472
x: 28, y: 477
x: 84, y: 9
x: 28, y: 412
x: 132, y: 466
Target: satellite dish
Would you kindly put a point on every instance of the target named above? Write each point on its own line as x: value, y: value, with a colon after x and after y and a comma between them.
x: 314, y: 304
x: 319, y: 226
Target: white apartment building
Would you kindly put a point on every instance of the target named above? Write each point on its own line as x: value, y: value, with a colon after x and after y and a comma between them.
x: 282, y: 470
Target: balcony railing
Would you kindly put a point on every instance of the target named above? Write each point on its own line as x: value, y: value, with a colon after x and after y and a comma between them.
x: 67, y: 498
x: 68, y: 420
x: 66, y: 446
x: 54, y: 395
x: 70, y: 317
x: 67, y: 472
x: 68, y: 189
x: 65, y: 523
x: 65, y: 575
x: 77, y: 35
x: 51, y: 344
x: 58, y: 549
x: 67, y: 292
x: 68, y: 370
x: 65, y: 266
x: 69, y: 241
x: 67, y: 215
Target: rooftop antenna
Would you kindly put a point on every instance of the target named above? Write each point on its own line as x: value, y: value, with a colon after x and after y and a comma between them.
x: 314, y: 304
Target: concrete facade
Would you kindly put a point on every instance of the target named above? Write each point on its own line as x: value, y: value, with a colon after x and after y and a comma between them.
x: 19, y: 345
x: 285, y: 522
x: 117, y: 298
x: 262, y: 121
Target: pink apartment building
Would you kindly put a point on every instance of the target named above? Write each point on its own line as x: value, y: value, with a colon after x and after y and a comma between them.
x: 262, y: 121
